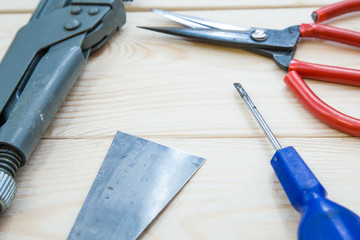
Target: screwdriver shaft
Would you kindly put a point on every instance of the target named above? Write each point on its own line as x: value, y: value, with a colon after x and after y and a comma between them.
x: 321, y: 218
x: 258, y: 116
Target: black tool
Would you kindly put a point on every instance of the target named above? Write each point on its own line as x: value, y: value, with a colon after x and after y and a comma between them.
x: 39, y: 69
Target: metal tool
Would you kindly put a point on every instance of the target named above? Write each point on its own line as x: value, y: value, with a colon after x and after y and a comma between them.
x: 137, y: 179
x: 321, y: 218
x: 280, y: 45
x: 39, y: 69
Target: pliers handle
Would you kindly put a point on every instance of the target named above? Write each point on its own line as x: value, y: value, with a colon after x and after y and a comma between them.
x: 298, y: 69
x: 320, y: 109
x: 334, y: 10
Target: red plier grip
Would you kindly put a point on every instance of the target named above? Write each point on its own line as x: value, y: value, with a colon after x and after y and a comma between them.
x: 298, y: 69
x: 320, y: 109
x: 330, y: 33
x: 335, y: 10
x: 326, y: 73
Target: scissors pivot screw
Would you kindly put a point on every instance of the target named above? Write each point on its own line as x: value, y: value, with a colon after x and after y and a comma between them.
x: 259, y: 35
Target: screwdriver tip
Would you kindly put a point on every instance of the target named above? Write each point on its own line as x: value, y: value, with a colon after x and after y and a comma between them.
x: 257, y: 116
x: 240, y: 89
x: 237, y: 85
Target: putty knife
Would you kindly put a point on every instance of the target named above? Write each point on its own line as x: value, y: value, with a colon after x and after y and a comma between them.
x: 137, y: 179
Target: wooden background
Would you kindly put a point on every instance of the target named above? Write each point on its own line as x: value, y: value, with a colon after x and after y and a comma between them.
x: 180, y: 93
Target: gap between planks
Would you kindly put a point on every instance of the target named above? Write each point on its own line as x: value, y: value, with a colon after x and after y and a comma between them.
x: 148, y: 9
x: 197, y: 137
x: 137, y: 8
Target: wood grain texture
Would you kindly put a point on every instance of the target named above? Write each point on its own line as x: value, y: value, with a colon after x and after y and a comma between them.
x: 235, y: 195
x: 179, y: 93
x: 18, y: 6
x: 158, y: 85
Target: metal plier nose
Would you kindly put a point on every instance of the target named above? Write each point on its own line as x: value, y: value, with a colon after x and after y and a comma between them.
x: 39, y: 69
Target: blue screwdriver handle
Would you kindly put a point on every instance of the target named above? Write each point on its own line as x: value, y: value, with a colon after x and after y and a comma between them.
x: 321, y: 218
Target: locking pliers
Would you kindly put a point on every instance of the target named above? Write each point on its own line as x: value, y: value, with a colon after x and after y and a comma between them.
x: 42, y: 64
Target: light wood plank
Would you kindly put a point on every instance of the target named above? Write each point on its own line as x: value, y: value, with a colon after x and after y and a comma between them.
x: 136, y: 5
x: 158, y: 85
x: 18, y: 6
x: 144, y: 5
x: 179, y: 93
x: 235, y: 195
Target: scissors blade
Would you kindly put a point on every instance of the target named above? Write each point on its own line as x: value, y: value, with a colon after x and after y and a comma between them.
x: 208, y: 34
x: 195, y: 22
x: 241, y: 39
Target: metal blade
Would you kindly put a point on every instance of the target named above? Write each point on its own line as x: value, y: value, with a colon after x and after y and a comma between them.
x: 195, y: 22
x: 276, y: 40
x: 137, y: 179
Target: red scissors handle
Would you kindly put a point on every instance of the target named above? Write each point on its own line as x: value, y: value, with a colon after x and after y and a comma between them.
x: 320, y: 109
x: 335, y: 10
x: 298, y: 69
x: 330, y: 33
x: 326, y: 73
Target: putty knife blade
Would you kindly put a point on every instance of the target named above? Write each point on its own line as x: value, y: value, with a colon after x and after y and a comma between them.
x: 137, y: 179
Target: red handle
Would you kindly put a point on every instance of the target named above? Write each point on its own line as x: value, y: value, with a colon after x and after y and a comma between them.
x: 326, y: 73
x: 330, y: 33
x: 335, y: 10
x: 319, y: 109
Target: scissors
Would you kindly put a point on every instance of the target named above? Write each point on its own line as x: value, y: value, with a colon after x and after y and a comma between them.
x: 280, y: 45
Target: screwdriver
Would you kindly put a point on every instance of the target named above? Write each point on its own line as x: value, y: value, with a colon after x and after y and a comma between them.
x: 321, y: 218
